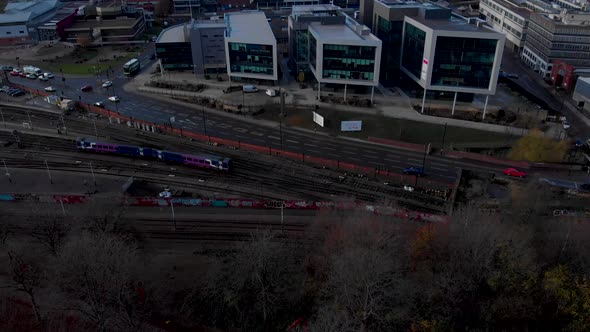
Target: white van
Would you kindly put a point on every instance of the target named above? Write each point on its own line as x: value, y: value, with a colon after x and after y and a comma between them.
x: 249, y: 88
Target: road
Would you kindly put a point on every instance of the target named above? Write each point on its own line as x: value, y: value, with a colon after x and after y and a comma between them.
x: 245, y: 130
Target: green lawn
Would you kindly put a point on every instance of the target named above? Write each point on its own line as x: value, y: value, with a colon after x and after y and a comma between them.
x: 72, y: 64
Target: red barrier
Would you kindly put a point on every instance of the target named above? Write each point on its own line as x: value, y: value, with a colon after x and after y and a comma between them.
x: 488, y: 159
x: 69, y: 199
x: 398, y: 144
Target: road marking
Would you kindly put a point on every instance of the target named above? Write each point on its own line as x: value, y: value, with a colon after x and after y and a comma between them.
x: 440, y: 169
x: 292, y: 141
x: 310, y: 144
x: 373, y: 162
x: 415, y: 160
x: 273, y: 137
x: 372, y: 157
x: 439, y: 164
x: 242, y: 130
x: 224, y: 126
x: 255, y: 133
x: 392, y: 158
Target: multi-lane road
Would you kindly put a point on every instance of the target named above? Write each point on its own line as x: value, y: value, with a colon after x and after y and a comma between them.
x: 251, y: 131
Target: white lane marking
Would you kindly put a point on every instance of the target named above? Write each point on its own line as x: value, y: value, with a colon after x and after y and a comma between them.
x: 310, y: 144
x: 349, y: 152
x: 440, y: 164
x: 273, y: 137
x: 255, y: 133
x: 292, y: 141
x: 415, y: 160
x: 440, y: 169
x: 242, y: 130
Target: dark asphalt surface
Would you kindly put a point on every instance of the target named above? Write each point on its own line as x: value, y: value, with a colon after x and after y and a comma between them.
x: 157, y: 111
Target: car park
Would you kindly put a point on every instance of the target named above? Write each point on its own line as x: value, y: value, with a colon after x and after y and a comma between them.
x: 99, y: 104
x: 514, y: 173
x: 107, y: 84
x: 50, y: 89
x: 86, y: 88
x: 114, y: 98
x: 417, y: 171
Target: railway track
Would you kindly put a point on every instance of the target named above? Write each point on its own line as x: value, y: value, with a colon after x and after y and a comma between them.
x: 254, y: 170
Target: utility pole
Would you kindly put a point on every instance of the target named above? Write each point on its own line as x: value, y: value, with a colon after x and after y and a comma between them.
x: 93, y: 177
x: 6, y: 171
x: 48, y: 172
x: 2, y: 114
x: 282, y: 96
x: 30, y: 121
x: 282, y: 217
x: 173, y: 215
x: 205, y: 123
x: 442, y: 148
x: 95, y: 131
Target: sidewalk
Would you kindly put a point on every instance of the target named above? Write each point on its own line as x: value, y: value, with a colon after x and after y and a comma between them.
x: 390, y: 105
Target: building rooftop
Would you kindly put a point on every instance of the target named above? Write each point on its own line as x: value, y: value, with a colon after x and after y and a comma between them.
x: 208, y: 24
x: 455, y: 23
x: 335, y: 33
x: 522, y: 11
x: 249, y: 26
x: 119, y: 23
x: 25, y: 11
x: 314, y: 10
x: 173, y: 34
x: 399, y: 3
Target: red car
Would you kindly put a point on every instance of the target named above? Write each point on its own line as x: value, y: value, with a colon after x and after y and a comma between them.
x: 86, y: 88
x: 14, y: 73
x: 21, y: 74
x: 514, y: 172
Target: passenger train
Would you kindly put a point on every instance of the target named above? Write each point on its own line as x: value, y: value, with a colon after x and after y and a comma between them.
x: 204, y: 161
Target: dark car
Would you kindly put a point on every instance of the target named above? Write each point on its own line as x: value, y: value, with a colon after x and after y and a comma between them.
x: 86, y: 88
x: 11, y: 92
x: 18, y: 93
x: 8, y: 68
x: 418, y: 171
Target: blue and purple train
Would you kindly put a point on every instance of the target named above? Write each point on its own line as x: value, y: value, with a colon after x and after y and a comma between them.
x: 204, y: 161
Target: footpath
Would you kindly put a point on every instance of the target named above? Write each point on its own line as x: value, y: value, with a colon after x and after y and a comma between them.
x: 391, y: 105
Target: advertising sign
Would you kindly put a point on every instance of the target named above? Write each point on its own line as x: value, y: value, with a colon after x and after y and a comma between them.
x: 351, y: 125
x: 424, y: 71
x: 318, y: 119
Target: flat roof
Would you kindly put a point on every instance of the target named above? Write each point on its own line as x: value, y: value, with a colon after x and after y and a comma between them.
x: 313, y: 9
x: 208, y: 24
x: 116, y: 23
x: 249, y: 27
x: 173, y: 34
x: 339, y: 33
x: 522, y: 11
x: 18, y: 17
x: 453, y: 24
x: 400, y: 4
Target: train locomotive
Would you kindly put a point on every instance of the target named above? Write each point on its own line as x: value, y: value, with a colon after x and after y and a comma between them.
x: 203, y: 161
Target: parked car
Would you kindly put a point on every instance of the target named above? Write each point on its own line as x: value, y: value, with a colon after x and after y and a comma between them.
x: 271, y: 92
x: 566, y: 125
x: 14, y: 73
x: 514, y: 172
x: 417, y: 171
x: 5, y: 88
x: 114, y: 98
x: 514, y: 76
x: 22, y: 74
x: 249, y: 88
x: 48, y: 75
x: 99, y: 104
x: 43, y: 78
x: 11, y: 91
x: 7, y: 68
x: 86, y: 88
x: 32, y: 76
x: 107, y: 84
x: 50, y: 89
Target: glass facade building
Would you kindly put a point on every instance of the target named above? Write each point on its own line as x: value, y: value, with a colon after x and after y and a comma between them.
x: 414, y: 42
x: 349, y: 62
x: 463, y: 62
x: 175, y: 56
x: 251, y: 58
x: 390, y: 33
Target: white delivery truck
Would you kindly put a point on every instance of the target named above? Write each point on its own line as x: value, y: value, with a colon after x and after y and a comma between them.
x: 32, y: 70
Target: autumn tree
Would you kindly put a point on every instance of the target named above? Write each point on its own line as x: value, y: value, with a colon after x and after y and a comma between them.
x: 163, y: 8
x: 535, y: 147
x: 83, y: 41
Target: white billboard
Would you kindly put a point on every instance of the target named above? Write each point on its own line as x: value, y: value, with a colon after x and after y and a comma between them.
x: 318, y: 119
x: 351, y: 125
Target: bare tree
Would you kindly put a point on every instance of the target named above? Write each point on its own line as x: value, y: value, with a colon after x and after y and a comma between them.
x: 26, y: 275
x: 103, y: 214
x: 49, y: 226
x: 97, y: 271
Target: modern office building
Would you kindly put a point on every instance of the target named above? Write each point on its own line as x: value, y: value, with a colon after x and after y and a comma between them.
x: 208, y: 47
x: 298, y: 34
x: 581, y: 94
x: 173, y: 48
x: 250, y: 47
x: 347, y: 54
x: 564, y: 36
x: 446, y: 53
x: 510, y: 17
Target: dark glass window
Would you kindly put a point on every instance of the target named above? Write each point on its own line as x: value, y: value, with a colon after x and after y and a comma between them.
x: 348, y: 62
x: 414, y: 39
x: 251, y: 58
x: 313, y: 44
x: 390, y: 34
x: 464, y: 62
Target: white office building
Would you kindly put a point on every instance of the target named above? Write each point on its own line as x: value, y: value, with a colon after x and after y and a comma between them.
x: 510, y: 17
x: 250, y: 47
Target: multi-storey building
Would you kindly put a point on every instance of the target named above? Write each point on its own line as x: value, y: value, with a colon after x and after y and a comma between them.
x: 19, y: 20
x: 564, y: 36
x: 508, y: 16
x: 299, y: 20
x: 347, y: 54
x: 208, y: 47
x: 446, y: 53
x: 250, y: 47
x: 173, y: 48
